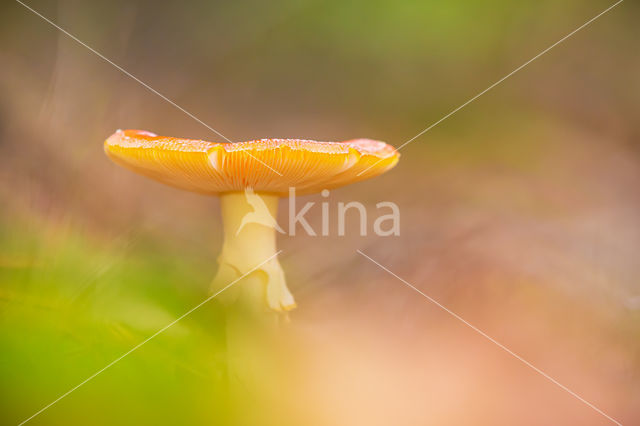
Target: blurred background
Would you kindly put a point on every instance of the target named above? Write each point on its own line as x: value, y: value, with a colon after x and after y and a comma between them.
x: 520, y: 213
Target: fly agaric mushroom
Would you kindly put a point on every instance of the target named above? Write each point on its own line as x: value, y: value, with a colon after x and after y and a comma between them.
x: 249, y: 177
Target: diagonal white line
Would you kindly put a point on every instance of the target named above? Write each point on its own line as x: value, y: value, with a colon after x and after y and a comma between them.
x: 491, y: 339
x: 148, y: 338
x: 127, y: 73
x: 499, y: 81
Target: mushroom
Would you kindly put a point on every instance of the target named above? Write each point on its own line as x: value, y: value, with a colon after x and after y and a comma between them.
x: 249, y: 177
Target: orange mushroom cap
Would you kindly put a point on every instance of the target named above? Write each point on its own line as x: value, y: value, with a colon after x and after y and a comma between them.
x: 266, y: 165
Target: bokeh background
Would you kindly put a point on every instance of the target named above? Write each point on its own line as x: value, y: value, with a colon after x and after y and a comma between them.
x: 520, y: 213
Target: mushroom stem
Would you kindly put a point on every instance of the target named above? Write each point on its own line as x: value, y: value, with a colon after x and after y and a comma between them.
x: 250, y: 238
x: 252, y: 318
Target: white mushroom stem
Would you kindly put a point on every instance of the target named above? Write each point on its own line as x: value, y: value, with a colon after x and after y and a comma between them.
x: 255, y: 299
x: 249, y: 239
